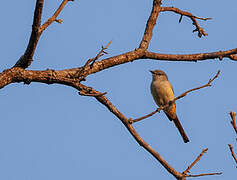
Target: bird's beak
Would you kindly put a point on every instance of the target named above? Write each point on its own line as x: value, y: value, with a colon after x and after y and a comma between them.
x: 152, y: 72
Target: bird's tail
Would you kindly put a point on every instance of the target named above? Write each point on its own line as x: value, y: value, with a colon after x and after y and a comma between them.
x: 179, y: 127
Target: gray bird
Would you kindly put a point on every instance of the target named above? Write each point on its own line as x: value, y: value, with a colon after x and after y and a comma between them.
x: 163, y: 93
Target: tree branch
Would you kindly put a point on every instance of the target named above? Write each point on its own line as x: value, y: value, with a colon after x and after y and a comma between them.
x: 55, y: 15
x: 200, y: 30
x: 233, y: 121
x: 204, y: 174
x: 103, y: 100
x: 139, y: 54
x: 195, y: 161
x: 191, y: 57
x: 232, y: 152
x: 101, y: 53
x: 200, y: 87
x: 27, y: 58
x: 150, y: 25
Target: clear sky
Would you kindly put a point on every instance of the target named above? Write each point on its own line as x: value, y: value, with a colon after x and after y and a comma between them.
x: 49, y: 132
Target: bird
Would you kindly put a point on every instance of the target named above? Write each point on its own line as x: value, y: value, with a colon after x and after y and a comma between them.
x: 163, y: 94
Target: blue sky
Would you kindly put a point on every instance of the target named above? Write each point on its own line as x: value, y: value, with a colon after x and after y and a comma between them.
x: 50, y: 132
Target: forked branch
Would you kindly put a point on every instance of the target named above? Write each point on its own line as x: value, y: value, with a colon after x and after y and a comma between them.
x: 101, y: 53
x: 200, y: 30
x: 27, y: 58
x: 194, y: 162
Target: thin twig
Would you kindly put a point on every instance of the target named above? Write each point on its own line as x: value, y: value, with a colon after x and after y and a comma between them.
x: 194, y: 89
x: 200, y: 30
x: 144, y: 117
x: 195, y: 161
x: 232, y: 152
x: 101, y: 53
x: 233, y: 121
x: 204, y: 174
x: 55, y: 15
x: 82, y: 73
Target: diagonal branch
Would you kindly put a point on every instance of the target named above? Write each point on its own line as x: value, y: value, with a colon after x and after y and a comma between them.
x: 27, y: 58
x: 55, y: 15
x: 195, y: 161
x: 233, y: 121
x: 232, y: 152
x: 200, y: 87
x: 200, y: 30
x: 150, y: 25
x: 103, y: 100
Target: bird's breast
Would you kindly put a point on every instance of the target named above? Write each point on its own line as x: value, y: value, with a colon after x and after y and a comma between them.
x: 162, y: 92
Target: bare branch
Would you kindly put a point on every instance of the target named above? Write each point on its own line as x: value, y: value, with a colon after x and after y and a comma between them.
x: 55, y: 15
x: 192, y: 57
x: 150, y: 25
x: 101, y: 53
x: 144, y: 117
x: 194, y: 89
x: 37, y: 14
x: 27, y: 58
x: 139, y: 54
x: 83, y: 71
x: 195, y: 161
x: 205, y: 174
x: 232, y: 152
x: 233, y: 122
x: 88, y: 91
x: 200, y: 30
x: 140, y: 141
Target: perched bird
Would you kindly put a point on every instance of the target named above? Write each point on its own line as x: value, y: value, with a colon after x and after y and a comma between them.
x: 163, y: 93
